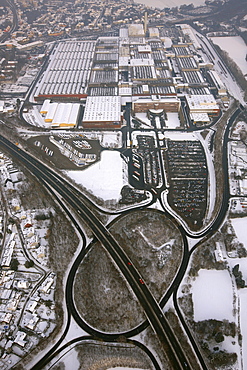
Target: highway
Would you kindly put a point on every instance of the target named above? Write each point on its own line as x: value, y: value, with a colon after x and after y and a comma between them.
x: 121, y: 259
x: 7, y: 35
x: 150, y: 305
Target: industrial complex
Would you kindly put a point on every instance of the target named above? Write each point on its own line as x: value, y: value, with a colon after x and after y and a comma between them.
x: 88, y: 83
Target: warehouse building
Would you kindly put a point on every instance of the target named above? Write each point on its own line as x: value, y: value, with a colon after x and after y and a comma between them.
x: 193, y: 79
x: 102, y: 112
x: 198, y: 104
x: 60, y: 115
x: 187, y: 64
x: 111, y: 71
x: 216, y: 80
x: 45, y: 106
x: 68, y: 72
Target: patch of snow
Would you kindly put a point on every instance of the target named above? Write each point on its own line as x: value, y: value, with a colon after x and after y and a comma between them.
x: 230, y: 44
x: 144, y: 118
x: 239, y: 225
x: 180, y: 136
x: 104, y: 178
x: 212, y: 296
x: 243, y: 324
x: 173, y: 120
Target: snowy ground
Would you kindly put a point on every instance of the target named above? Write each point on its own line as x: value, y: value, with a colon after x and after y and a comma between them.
x: 226, y: 78
x: 104, y: 178
x: 213, y: 296
x: 243, y: 323
x: 180, y: 136
x: 239, y: 225
x: 173, y: 120
x: 167, y: 3
x: 230, y: 44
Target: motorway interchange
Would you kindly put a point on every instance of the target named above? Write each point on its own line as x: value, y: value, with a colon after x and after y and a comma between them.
x: 147, y: 171
x: 153, y: 310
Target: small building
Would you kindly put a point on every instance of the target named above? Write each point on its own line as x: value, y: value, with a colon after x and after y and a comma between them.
x: 19, y: 339
x: 153, y: 32
x: 47, y: 284
x: 32, y: 322
x: 6, y: 318
x: 199, y: 118
x: 31, y: 306
x: 23, y: 284
x: 7, y: 254
x: 218, y: 253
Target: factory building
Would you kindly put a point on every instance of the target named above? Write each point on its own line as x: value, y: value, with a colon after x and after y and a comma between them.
x: 202, y: 104
x: 102, y: 112
x: 216, y: 80
x: 68, y: 71
x: 60, y: 115
x: 105, y: 74
x: 169, y: 104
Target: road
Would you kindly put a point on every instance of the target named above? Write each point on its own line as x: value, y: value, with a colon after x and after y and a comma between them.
x: 14, y: 26
x: 151, y: 307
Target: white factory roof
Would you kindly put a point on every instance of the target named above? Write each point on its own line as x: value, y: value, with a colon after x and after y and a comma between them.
x: 144, y: 49
x: 45, y: 106
x: 187, y: 30
x: 153, y: 32
x: 123, y: 33
x: 200, y: 117
x: 155, y: 98
x: 218, y: 82
x: 201, y: 102
x: 74, y: 114
x: 142, y: 62
x: 60, y: 113
x: 136, y: 30
x: 30, y: 45
x: 123, y: 61
x: 102, y: 108
x: 51, y: 112
x: 125, y: 91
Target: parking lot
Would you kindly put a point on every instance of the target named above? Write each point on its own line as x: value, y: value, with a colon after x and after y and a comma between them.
x: 145, y: 166
x: 188, y: 177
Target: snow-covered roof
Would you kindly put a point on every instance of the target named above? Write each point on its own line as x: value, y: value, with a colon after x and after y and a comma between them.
x: 102, y: 108
x: 201, y: 102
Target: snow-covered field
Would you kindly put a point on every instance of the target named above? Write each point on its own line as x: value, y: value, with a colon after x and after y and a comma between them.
x: 243, y: 323
x: 104, y: 178
x: 231, y: 44
x: 239, y: 225
x: 212, y: 295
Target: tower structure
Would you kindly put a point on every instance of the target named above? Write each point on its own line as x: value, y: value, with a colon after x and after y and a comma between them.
x: 145, y: 22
